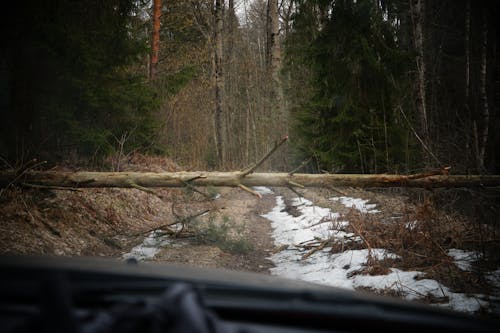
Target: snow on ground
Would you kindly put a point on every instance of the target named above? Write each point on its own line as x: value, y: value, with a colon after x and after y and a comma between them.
x: 313, y: 223
x: 262, y: 190
x: 494, y: 278
x: 412, y: 285
x: 464, y: 259
x: 339, y: 269
x: 150, y: 246
x: 356, y: 203
x: 323, y: 267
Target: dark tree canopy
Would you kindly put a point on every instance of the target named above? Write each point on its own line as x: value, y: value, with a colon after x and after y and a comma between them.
x: 72, y: 68
x: 353, y: 85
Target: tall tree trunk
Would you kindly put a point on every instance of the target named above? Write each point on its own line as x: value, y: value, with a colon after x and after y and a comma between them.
x: 231, y: 83
x: 155, y: 40
x: 231, y: 17
x: 418, y: 14
x: 219, y: 86
x: 273, y: 63
x: 484, y: 94
x: 467, y: 82
x: 273, y: 51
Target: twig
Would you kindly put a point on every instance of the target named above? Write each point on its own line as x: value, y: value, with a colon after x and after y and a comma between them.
x: 292, y: 183
x: 324, y: 219
x: 28, y: 166
x: 53, y: 230
x: 335, y: 190
x: 280, y: 248
x: 304, y: 163
x: 295, y: 191
x: 252, y: 168
x: 27, y: 209
x: 418, y: 137
x: 21, y: 172
x: 249, y: 190
x: 192, y: 188
x: 6, y: 163
x: 167, y: 226
x: 144, y: 189
x: 161, y: 227
x: 361, y: 236
x: 313, y: 251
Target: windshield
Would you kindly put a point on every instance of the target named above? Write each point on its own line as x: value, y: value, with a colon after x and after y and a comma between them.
x: 347, y: 143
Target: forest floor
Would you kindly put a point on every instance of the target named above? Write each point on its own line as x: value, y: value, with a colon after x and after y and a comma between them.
x: 394, y: 242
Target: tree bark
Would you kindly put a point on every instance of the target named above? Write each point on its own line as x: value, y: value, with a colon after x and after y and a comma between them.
x: 273, y: 51
x: 468, y: 139
x: 219, y: 86
x: 418, y: 14
x: 484, y: 94
x: 273, y: 64
x: 155, y: 40
x: 235, y: 179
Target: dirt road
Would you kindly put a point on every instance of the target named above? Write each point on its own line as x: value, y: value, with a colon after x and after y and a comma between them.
x: 241, y: 212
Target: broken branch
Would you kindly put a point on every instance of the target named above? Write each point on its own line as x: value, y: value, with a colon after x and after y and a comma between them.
x: 252, y: 168
x: 249, y: 190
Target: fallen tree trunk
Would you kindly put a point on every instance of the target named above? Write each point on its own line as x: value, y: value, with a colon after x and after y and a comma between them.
x: 144, y: 180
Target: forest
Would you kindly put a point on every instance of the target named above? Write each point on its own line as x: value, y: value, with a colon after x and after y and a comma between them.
x: 358, y: 86
x: 343, y: 143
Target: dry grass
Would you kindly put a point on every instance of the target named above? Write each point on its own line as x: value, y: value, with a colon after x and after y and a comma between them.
x: 421, y: 237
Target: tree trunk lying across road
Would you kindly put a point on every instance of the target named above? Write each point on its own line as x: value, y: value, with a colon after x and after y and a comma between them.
x: 236, y: 178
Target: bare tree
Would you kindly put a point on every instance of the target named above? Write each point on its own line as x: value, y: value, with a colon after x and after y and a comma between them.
x: 483, y: 138
x: 220, y: 131
x: 417, y: 15
x: 273, y: 51
x: 467, y: 75
x: 273, y: 62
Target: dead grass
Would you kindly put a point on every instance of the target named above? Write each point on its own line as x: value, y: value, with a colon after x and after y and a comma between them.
x: 421, y: 237
x: 87, y: 222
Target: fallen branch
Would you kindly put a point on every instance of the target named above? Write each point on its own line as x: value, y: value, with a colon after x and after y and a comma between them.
x: 303, y: 164
x: 191, y: 187
x: 295, y: 191
x: 252, y: 168
x: 314, y: 250
x: 145, y: 189
x: 249, y: 190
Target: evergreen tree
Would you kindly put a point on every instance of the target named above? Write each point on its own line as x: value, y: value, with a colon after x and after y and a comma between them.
x: 73, y: 84
x: 349, y: 122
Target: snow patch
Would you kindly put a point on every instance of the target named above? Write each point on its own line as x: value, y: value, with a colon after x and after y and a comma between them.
x: 357, y: 203
x: 262, y: 190
x: 344, y: 269
x: 493, y: 278
x: 464, y: 259
x: 411, y: 285
x: 150, y: 246
x: 323, y: 267
x: 313, y: 223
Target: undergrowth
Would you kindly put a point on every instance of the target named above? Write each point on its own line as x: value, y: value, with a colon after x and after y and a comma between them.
x: 421, y: 238
x: 224, y: 234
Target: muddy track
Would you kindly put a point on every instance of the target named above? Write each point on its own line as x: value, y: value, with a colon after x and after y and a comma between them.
x: 243, y: 212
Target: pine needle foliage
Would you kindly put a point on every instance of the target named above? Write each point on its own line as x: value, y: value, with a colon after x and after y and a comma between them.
x: 348, y: 54
x: 77, y: 85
